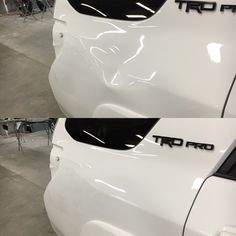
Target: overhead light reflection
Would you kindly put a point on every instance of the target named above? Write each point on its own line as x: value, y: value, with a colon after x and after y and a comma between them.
x: 92, y: 49
x: 116, y: 31
x: 110, y: 185
x: 139, y: 136
x: 145, y: 7
x: 214, y: 51
x: 223, y: 151
x: 151, y: 141
x: 114, y: 78
x: 138, y: 51
x: 197, y: 183
x: 130, y: 145
x: 94, y: 137
x: 136, y: 16
x: 142, y: 78
x: 116, y: 48
x: 86, y: 5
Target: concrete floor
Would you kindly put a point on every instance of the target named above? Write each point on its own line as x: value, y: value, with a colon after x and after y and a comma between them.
x: 23, y: 179
x: 26, y: 54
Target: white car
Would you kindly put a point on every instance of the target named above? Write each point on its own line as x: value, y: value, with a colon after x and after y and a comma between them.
x: 143, y: 177
x: 145, y: 58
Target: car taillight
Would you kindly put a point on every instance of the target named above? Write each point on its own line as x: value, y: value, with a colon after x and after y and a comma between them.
x: 119, y: 134
x: 228, y: 169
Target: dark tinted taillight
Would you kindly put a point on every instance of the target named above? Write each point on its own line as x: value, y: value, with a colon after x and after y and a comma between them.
x: 119, y: 134
x: 130, y: 10
x: 228, y: 169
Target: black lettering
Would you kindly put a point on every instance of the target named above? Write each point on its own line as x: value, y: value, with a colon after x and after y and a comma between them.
x: 198, y: 6
x: 208, y: 6
x: 163, y: 140
x: 171, y: 142
x: 180, y: 3
x: 194, y: 6
x: 177, y: 141
x: 202, y: 146
x: 209, y: 147
x: 156, y: 138
x: 228, y: 7
x: 168, y: 141
x: 188, y: 144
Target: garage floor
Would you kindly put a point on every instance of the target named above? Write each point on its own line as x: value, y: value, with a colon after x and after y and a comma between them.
x: 23, y: 179
x: 26, y: 54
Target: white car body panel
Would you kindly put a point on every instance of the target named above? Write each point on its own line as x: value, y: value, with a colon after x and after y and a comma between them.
x: 231, y: 104
x: 174, y: 64
x: 214, y: 212
x: 145, y: 191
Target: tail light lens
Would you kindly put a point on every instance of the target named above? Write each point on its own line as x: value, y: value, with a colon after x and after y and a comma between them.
x: 119, y: 134
x: 130, y: 10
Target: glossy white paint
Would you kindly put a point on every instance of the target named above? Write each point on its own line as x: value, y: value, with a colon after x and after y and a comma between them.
x: 145, y: 191
x: 171, y: 65
x: 231, y: 105
x: 99, y: 228
x: 214, y: 212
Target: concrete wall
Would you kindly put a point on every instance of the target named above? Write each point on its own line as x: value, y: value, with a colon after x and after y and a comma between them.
x: 2, y: 8
x: 11, y: 5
